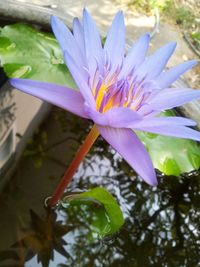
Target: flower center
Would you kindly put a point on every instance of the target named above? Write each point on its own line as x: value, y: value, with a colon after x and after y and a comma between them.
x: 109, y: 92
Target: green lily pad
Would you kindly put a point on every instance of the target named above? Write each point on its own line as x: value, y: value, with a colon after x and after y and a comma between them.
x: 25, y: 52
x: 171, y: 155
x: 105, y: 216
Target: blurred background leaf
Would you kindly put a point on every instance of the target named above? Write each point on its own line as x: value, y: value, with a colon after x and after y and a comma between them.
x: 26, y: 52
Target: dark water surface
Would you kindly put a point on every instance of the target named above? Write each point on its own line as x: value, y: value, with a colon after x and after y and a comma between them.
x: 162, y: 224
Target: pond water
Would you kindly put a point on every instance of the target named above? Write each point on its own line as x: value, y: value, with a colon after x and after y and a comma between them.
x: 161, y: 224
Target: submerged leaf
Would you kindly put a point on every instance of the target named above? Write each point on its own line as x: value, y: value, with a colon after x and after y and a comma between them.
x: 170, y: 155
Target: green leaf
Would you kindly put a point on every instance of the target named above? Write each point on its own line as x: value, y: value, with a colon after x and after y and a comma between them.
x: 25, y: 52
x: 16, y: 70
x: 170, y: 155
x: 106, y: 217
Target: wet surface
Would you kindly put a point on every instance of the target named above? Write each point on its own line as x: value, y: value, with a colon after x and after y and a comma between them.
x: 161, y: 224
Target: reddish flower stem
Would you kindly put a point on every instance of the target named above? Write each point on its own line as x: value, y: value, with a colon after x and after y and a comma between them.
x: 81, y: 153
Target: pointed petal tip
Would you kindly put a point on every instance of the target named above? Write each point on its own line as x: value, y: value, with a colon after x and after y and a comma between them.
x: 153, y: 182
x: 191, y: 63
x: 146, y: 36
x: 168, y: 48
x: 13, y: 81
x: 75, y: 20
x: 151, y: 178
x: 86, y: 13
x: 120, y: 17
x: 174, y: 43
x: 120, y: 14
x: 171, y: 46
x: 53, y: 17
x: 53, y: 20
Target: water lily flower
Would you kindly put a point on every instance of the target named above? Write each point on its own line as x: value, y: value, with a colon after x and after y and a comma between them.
x: 119, y: 92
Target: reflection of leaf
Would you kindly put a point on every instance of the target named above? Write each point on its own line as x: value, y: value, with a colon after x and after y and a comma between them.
x: 184, y: 207
x: 107, y: 216
x: 9, y: 254
x: 36, y: 147
x: 44, y: 237
x: 170, y: 155
x: 28, y: 53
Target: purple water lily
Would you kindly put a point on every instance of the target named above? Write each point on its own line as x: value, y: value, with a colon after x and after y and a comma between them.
x: 119, y: 93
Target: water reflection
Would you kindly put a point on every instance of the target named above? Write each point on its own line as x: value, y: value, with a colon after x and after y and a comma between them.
x: 162, y: 224
x: 7, y: 118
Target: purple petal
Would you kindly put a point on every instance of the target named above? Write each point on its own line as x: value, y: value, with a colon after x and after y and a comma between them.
x: 163, y: 121
x: 115, y: 40
x: 171, y: 130
x: 136, y: 55
x: 114, y: 117
x: 170, y: 98
x: 60, y: 96
x: 78, y: 33
x: 155, y: 64
x: 80, y: 77
x: 66, y: 40
x: 166, y: 78
x: 132, y: 150
x: 93, y: 46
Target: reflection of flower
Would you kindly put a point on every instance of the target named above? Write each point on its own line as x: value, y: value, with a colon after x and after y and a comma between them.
x: 119, y: 93
x: 45, y: 236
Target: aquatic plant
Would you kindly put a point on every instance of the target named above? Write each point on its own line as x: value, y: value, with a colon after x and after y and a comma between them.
x: 119, y: 93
